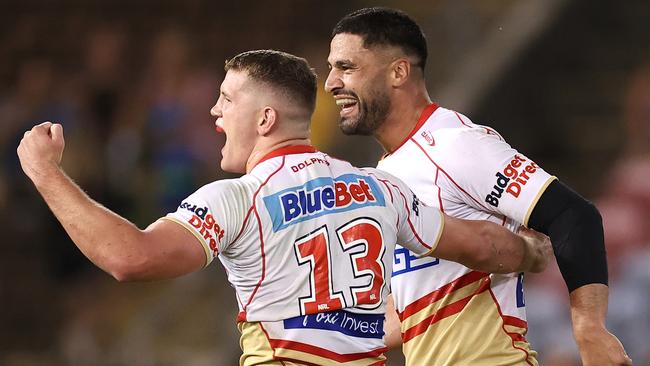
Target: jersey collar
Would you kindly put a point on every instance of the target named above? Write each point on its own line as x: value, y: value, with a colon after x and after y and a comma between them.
x: 288, y: 150
x: 424, y: 116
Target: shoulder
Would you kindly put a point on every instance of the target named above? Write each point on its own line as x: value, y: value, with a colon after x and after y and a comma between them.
x: 380, y: 175
x: 447, y: 129
x: 386, y: 180
x: 465, y: 142
x: 225, y: 186
x: 233, y: 192
x: 443, y: 118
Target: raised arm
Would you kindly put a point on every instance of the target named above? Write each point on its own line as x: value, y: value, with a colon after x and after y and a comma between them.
x: 163, y: 250
x: 488, y: 247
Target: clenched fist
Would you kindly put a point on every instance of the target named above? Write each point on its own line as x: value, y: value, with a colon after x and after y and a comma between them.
x: 41, y: 149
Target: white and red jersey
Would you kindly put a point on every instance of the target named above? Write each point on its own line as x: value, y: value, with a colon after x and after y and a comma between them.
x: 450, y: 314
x: 308, y: 242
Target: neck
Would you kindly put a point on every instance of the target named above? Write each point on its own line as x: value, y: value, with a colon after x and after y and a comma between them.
x: 406, y: 109
x: 263, y: 149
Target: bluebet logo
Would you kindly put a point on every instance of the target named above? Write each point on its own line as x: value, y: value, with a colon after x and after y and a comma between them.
x: 322, y: 196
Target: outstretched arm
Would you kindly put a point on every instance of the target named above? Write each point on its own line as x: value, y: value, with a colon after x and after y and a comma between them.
x: 576, y: 231
x: 488, y: 247
x: 163, y: 250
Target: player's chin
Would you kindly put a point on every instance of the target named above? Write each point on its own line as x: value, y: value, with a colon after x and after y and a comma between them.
x: 232, y: 165
x: 226, y: 164
x: 231, y: 168
x: 354, y: 127
x: 348, y: 125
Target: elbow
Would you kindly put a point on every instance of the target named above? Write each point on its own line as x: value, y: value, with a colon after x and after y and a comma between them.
x: 128, y: 260
x: 128, y: 269
x: 593, y: 215
x: 123, y: 276
x: 577, y: 229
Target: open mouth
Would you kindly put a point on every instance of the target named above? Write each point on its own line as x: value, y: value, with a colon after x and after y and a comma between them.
x: 347, y: 105
x: 218, y: 125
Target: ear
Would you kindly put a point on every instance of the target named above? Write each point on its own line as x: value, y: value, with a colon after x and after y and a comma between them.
x: 268, y: 121
x: 400, y: 71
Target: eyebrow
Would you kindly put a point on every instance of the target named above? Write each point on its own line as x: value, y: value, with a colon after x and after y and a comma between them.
x: 342, y: 64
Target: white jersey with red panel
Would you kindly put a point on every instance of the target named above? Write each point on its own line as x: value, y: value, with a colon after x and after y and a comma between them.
x: 455, y: 315
x: 307, y: 242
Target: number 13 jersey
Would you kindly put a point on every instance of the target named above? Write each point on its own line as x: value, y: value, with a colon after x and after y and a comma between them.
x: 308, y: 242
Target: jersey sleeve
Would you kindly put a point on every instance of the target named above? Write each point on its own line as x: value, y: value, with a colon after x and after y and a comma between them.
x: 419, y: 226
x: 496, y: 177
x: 212, y: 214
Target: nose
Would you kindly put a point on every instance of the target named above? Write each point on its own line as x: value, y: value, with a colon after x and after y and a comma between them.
x: 333, y: 81
x: 215, y: 111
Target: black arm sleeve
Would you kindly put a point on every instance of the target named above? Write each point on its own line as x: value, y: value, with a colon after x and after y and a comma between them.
x: 576, y: 231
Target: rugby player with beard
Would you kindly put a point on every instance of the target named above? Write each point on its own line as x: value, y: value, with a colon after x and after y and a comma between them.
x: 450, y: 314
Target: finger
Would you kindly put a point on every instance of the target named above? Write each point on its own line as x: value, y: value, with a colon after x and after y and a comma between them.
x: 624, y: 360
x: 42, y: 127
x: 57, y: 132
x: 526, y: 231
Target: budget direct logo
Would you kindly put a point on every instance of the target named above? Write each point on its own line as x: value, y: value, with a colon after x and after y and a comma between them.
x: 205, y: 223
x: 322, y: 196
x: 512, y: 180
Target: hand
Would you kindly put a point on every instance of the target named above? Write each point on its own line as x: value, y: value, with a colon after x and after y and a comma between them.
x: 41, y: 149
x: 600, y: 347
x: 588, y: 312
x: 540, y: 250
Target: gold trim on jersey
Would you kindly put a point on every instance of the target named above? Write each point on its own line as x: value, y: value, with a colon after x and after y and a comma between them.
x: 539, y: 194
x: 473, y: 333
x: 258, y: 349
x: 454, y: 296
x: 206, y: 249
x: 255, y: 346
x: 435, y: 244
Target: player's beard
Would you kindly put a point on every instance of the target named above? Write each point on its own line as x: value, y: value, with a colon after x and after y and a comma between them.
x: 372, y: 113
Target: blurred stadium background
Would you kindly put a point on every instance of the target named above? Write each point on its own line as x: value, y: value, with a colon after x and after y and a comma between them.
x: 565, y: 81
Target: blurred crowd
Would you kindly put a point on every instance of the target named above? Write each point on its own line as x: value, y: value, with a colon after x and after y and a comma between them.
x: 134, y: 103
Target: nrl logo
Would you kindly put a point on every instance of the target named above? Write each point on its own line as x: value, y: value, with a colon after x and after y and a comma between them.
x: 427, y: 136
